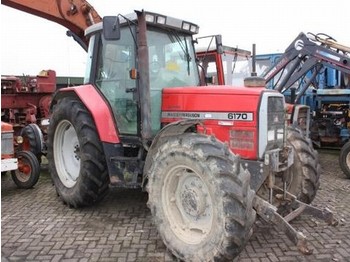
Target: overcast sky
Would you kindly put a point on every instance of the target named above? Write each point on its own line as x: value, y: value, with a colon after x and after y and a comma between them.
x: 30, y: 44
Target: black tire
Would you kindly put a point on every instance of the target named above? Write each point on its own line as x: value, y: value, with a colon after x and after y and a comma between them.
x: 200, y: 198
x: 75, y: 154
x: 304, y: 176
x: 344, y: 159
x: 28, y: 172
x: 306, y: 166
x: 32, y: 140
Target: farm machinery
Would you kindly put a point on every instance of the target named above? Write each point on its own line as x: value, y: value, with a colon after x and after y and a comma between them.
x: 210, y: 157
x: 23, y: 164
x: 25, y: 103
x: 315, y: 71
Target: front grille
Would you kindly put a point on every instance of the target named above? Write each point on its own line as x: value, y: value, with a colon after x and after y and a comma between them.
x: 7, y: 143
x: 275, y: 122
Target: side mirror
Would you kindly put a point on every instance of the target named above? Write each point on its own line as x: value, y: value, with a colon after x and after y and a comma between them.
x: 111, y: 28
x: 218, y: 41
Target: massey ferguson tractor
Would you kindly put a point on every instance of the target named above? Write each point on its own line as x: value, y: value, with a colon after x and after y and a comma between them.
x: 225, y: 65
x: 210, y: 157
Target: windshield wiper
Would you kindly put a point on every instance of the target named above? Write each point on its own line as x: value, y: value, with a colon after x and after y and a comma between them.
x: 184, y: 48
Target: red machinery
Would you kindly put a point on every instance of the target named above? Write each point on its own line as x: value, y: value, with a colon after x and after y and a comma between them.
x: 25, y: 104
x: 24, y: 165
x: 202, y: 153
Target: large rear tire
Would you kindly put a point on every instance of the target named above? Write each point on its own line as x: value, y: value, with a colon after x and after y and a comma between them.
x: 28, y: 172
x: 304, y: 174
x: 75, y: 154
x: 200, y: 198
x: 344, y: 159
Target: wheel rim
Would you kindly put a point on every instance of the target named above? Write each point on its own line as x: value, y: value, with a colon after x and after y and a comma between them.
x: 24, y: 171
x: 67, y: 153
x: 188, y: 204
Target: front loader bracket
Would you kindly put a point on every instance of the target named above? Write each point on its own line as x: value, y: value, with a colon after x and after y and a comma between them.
x: 268, y: 212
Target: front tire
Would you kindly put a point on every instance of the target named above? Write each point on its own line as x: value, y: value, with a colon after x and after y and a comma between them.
x: 344, y: 159
x: 28, y: 172
x: 306, y: 169
x: 76, y: 159
x: 200, y: 198
x: 304, y: 174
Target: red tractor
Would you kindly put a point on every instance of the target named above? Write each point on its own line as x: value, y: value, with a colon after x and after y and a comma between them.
x: 202, y: 152
x: 24, y: 166
x: 25, y: 105
x: 224, y: 65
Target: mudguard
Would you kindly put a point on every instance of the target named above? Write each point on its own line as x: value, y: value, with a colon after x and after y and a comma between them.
x: 97, y: 106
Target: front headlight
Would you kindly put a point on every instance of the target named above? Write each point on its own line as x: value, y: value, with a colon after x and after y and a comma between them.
x: 19, y: 139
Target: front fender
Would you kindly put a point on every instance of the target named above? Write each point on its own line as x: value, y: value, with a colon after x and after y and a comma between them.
x: 172, y: 129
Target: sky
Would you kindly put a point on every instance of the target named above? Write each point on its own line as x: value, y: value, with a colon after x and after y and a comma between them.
x: 30, y: 44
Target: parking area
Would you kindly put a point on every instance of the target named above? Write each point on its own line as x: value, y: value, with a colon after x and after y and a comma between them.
x: 37, y: 226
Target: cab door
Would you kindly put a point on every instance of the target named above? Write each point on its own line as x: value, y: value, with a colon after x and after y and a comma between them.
x: 116, y: 59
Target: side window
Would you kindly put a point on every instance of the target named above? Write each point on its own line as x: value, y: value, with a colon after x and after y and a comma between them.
x: 210, y: 69
x: 236, y: 68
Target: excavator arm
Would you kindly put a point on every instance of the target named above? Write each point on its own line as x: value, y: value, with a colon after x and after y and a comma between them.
x: 75, y: 15
x: 305, y: 53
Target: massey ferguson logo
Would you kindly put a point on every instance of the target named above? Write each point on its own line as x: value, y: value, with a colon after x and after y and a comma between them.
x: 299, y: 44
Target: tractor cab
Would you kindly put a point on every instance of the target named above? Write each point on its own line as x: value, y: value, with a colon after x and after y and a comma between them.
x: 132, y: 59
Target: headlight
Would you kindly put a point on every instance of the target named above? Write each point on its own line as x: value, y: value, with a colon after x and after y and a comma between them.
x: 19, y: 139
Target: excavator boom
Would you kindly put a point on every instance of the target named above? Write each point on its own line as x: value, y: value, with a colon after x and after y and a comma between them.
x: 75, y: 15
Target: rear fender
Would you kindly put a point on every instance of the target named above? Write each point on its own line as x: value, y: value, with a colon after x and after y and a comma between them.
x: 96, y: 105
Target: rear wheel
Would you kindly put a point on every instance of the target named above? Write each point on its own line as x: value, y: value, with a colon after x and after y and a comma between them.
x: 75, y: 154
x: 200, y: 198
x: 28, y: 172
x: 303, y: 178
x: 344, y: 159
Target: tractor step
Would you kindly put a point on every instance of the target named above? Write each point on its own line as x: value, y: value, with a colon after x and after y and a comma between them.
x: 268, y: 212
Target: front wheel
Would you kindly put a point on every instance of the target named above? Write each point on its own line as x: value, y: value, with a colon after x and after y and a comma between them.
x: 344, y: 159
x: 75, y: 155
x: 28, y: 172
x: 306, y: 169
x: 200, y: 198
x: 303, y: 176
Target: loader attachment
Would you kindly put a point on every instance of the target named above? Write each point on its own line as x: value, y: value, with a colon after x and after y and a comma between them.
x: 269, y: 213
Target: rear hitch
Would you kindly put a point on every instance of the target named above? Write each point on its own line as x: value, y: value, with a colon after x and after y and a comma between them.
x: 268, y: 212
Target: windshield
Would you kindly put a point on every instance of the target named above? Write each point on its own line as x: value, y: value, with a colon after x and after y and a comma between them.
x: 172, y: 60
x: 171, y: 63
